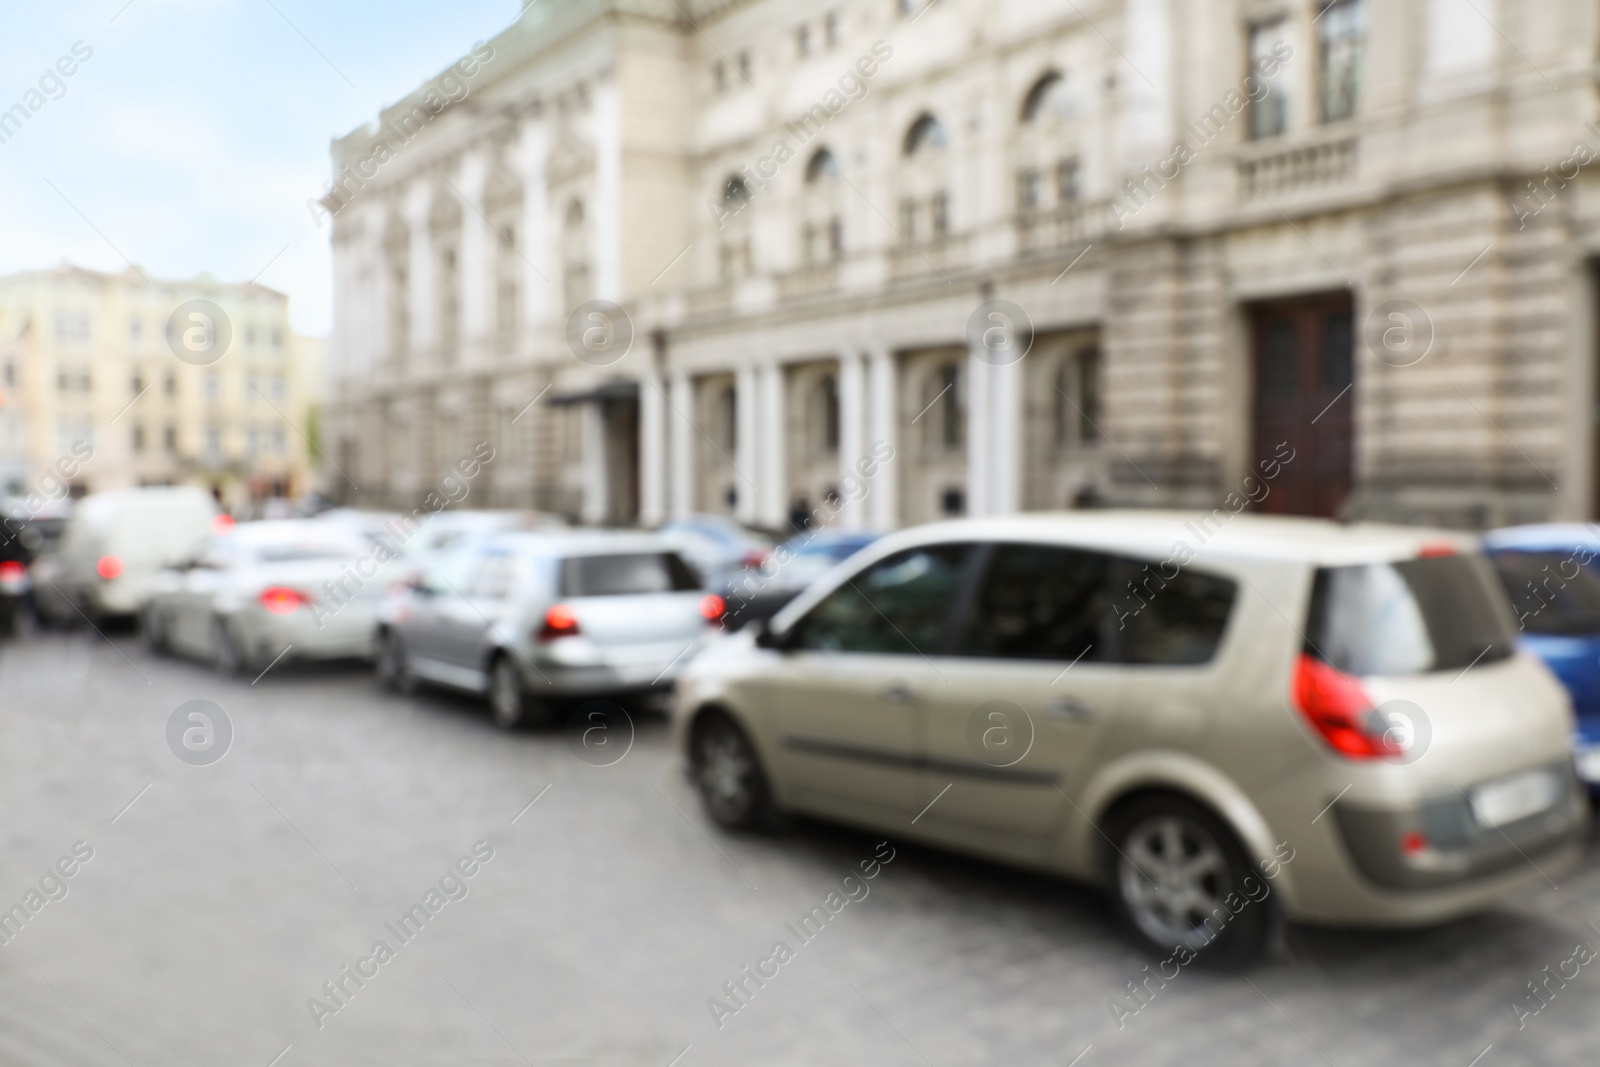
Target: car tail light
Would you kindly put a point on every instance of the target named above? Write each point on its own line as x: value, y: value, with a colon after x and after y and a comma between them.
x: 1436, y: 550
x: 713, y: 607
x: 281, y: 600
x: 1339, y: 709
x: 222, y: 524
x: 109, y: 567
x: 559, y: 621
x: 12, y: 571
x: 1413, y: 843
x: 756, y: 557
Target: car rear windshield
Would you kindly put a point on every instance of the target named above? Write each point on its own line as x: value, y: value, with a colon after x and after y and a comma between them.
x: 1552, y: 592
x: 1409, y: 617
x: 627, y: 574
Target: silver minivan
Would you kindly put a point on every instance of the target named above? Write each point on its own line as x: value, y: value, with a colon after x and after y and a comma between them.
x: 532, y: 620
x: 1223, y: 720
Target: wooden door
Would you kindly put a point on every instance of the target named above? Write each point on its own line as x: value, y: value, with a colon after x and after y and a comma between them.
x: 1304, y: 357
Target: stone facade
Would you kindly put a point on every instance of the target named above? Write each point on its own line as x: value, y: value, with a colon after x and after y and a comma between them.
x: 806, y: 215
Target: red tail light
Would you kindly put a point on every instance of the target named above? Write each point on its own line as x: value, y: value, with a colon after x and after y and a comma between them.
x: 221, y: 524
x: 281, y: 600
x: 713, y: 607
x: 559, y: 621
x: 756, y: 557
x: 12, y: 571
x: 1436, y: 550
x: 109, y: 567
x: 1339, y: 709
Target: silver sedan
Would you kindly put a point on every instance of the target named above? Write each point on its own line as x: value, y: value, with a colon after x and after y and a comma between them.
x: 293, y: 589
x: 528, y: 620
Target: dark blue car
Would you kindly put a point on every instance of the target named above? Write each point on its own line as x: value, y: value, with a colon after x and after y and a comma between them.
x: 1552, y: 574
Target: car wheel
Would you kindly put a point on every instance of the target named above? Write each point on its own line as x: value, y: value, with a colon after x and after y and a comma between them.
x: 1182, y: 882
x: 732, y: 786
x: 228, y: 656
x: 155, y: 633
x: 508, y: 700
x: 393, y: 666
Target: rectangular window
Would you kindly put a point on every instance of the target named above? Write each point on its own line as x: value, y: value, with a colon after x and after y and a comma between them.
x: 939, y: 208
x: 908, y: 219
x: 138, y: 438
x: 802, y: 41
x: 169, y: 439
x: 899, y: 606
x: 831, y: 23
x: 1408, y: 617
x: 634, y: 574
x: 135, y: 331
x: 279, y: 441
x: 1089, y: 396
x: 1068, y: 181
x: 1028, y: 190
x: 1341, y: 38
x: 1048, y: 602
x: 1269, y: 116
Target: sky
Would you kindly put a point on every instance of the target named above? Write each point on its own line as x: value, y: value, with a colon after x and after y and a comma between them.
x: 191, y: 138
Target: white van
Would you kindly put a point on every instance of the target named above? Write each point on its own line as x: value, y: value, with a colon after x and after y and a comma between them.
x: 113, y: 547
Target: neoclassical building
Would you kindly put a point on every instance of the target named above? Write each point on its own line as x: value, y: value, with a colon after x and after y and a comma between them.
x: 680, y: 256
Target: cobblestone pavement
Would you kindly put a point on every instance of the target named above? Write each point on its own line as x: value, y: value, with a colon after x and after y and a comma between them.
x: 220, y: 898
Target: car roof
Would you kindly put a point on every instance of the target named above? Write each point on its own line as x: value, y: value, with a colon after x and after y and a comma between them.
x: 277, y: 531
x: 1548, y: 535
x: 576, y: 543
x: 1218, y: 534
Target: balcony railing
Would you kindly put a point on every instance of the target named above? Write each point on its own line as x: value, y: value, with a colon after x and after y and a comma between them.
x: 1073, y: 224
x: 911, y: 260
x: 809, y: 281
x: 1303, y: 166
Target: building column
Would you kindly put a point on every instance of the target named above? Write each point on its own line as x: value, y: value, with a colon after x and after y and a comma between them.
x: 681, y: 435
x: 533, y: 236
x: 852, y: 425
x: 476, y: 278
x: 747, y: 451
x: 419, y: 206
x: 607, y: 207
x: 772, y: 477
x: 1005, y: 439
x: 652, y: 452
x: 979, y: 468
x: 595, y: 496
x: 883, y: 499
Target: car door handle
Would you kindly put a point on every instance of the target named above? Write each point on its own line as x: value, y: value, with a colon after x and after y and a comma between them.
x: 1070, y: 710
x: 898, y: 694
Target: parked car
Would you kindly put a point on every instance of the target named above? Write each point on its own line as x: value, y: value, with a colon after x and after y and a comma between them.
x: 531, y: 620
x: 1554, y: 584
x: 762, y: 591
x: 113, y: 546
x: 293, y: 589
x: 1176, y: 708
x: 720, y: 549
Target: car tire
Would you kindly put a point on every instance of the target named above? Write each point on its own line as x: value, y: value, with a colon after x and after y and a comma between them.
x: 155, y: 633
x: 227, y: 655
x: 510, y: 705
x: 392, y: 665
x: 1171, y: 865
x: 727, y: 772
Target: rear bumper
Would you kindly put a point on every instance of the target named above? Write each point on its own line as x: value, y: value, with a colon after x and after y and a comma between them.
x: 1455, y: 850
x: 551, y: 670
x: 345, y: 634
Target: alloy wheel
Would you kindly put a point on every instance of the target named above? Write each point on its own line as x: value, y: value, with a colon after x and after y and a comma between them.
x: 1173, y: 875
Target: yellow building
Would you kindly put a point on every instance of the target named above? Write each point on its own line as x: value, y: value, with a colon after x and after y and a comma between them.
x: 160, y: 381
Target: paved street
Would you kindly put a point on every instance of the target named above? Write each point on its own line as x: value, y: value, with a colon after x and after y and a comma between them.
x: 219, y: 898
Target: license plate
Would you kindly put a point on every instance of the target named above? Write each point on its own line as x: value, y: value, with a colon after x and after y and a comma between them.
x: 1516, y: 797
x: 1589, y: 764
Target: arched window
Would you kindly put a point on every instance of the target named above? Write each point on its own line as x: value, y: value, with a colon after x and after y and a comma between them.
x: 735, y: 193
x: 926, y: 133
x: 1050, y: 97
x: 822, y: 166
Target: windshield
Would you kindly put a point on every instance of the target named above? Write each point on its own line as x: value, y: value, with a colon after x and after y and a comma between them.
x: 1408, y: 617
x: 1551, y: 592
x: 628, y: 574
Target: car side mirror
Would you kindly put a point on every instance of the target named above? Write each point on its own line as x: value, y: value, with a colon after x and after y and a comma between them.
x: 778, y: 641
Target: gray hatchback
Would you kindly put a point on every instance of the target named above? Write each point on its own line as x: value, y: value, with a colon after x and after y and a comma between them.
x: 529, y: 620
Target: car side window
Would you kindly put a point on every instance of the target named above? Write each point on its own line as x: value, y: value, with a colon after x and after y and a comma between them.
x: 1041, y: 602
x: 1176, y: 621
x: 453, y: 575
x: 899, y: 605
x: 494, y: 576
